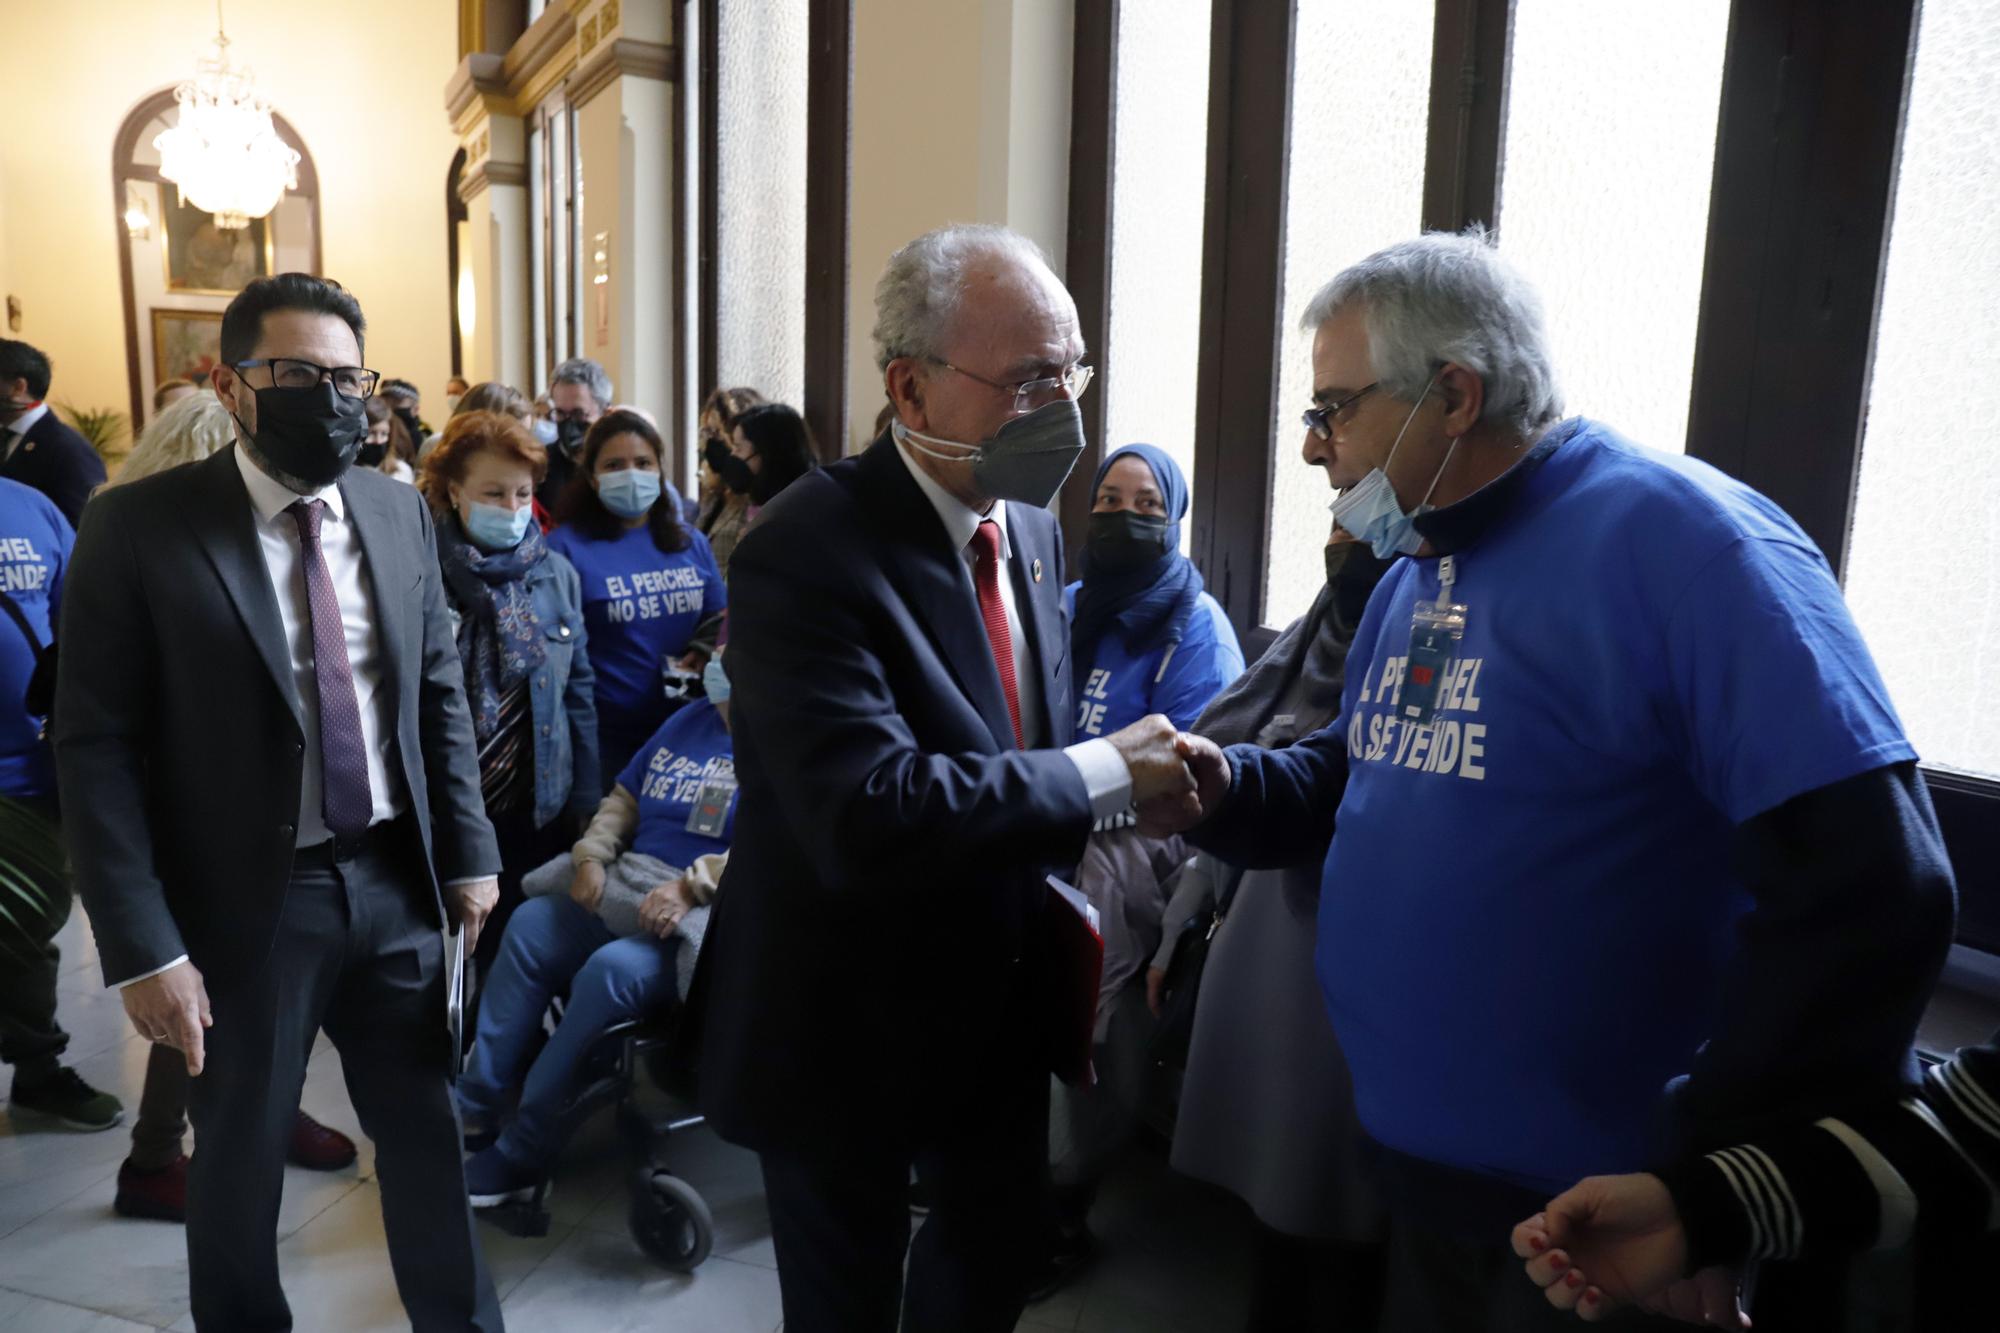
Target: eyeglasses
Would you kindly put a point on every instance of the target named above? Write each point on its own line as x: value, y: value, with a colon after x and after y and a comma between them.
x: 1031, y: 394
x: 291, y: 373
x: 561, y: 414
x: 1320, y: 420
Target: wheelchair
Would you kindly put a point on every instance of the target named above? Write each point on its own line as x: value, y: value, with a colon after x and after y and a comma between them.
x: 668, y: 1218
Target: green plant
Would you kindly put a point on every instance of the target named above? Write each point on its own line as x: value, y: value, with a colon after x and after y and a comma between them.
x: 103, y: 427
x: 34, y: 888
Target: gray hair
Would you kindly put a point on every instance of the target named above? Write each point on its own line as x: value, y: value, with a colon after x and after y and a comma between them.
x: 184, y: 432
x: 1450, y: 297
x: 583, y: 371
x: 917, y: 296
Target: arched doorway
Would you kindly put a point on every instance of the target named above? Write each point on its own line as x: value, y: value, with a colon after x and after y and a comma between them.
x: 176, y: 270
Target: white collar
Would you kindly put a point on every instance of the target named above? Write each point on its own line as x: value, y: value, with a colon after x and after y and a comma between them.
x: 26, y: 421
x: 960, y: 519
x: 271, y: 497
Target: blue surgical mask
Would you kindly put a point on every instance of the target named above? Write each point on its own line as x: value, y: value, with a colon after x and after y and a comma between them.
x: 1369, y: 510
x: 545, y: 431
x: 494, y: 528
x: 629, y: 493
x: 715, y: 681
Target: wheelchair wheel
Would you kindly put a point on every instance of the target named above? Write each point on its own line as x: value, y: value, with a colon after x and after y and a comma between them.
x: 670, y: 1220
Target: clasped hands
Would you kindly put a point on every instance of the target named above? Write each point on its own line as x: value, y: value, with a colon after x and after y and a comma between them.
x: 661, y: 910
x: 1614, y: 1241
x: 1178, y: 779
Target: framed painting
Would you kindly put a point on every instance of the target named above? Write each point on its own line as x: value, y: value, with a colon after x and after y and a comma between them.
x: 187, y: 344
x: 210, y: 260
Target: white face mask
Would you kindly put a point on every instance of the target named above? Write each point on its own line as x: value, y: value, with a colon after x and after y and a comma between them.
x: 1369, y: 511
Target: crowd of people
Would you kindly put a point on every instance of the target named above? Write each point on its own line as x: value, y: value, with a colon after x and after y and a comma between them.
x: 1507, y: 910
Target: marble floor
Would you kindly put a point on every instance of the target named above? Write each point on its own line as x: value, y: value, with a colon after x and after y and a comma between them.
x: 1175, y: 1256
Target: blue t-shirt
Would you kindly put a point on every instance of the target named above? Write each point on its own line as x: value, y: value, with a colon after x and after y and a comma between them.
x: 1118, y: 688
x: 640, y: 606
x: 35, y: 543
x: 690, y: 748
x: 1528, y: 905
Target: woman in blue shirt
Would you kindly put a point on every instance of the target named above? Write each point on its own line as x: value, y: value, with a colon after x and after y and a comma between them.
x: 1145, y: 639
x: 517, y: 609
x: 603, y: 923
x: 652, y: 594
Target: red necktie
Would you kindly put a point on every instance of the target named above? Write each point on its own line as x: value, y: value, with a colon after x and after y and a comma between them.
x: 986, y: 578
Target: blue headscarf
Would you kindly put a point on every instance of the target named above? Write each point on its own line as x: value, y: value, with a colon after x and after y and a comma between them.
x: 1147, y: 607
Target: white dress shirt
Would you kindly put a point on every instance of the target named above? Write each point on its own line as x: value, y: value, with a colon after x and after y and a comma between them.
x: 278, y: 536
x: 15, y: 431
x: 1103, y: 769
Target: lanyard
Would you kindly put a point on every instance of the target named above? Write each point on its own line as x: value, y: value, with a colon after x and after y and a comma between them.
x: 1436, y: 629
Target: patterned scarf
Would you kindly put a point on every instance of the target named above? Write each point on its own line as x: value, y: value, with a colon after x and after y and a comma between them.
x: 499, y: 635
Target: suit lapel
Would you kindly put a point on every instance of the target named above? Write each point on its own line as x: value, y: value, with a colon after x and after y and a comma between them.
x: 1038, y: 596
x: 935, y: 582
x: 226, y: 526
x: 374, y: 526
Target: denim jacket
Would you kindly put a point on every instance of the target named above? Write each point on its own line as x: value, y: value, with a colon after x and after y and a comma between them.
x: 560, y: 696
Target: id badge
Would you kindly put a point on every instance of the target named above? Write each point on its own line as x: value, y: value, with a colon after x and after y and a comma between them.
x: 710, y: 816
x: 1435, y: 631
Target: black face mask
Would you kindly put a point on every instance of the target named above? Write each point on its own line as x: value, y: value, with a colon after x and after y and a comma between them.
x: 569, y: 434
x: 735, y: 472
x: 371, y: 455
x: 1122, y: 541
x: 308, y: 436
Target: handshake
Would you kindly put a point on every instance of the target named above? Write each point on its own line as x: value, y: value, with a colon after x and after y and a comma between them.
x: 1177, y: 779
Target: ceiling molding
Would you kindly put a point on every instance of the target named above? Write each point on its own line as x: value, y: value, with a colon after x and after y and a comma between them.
x: 621, y: 57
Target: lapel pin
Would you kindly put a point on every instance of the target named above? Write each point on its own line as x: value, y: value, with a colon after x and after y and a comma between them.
x: 1038, y: 571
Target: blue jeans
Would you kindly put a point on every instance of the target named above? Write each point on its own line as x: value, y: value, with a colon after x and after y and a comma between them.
x: 552, y: 944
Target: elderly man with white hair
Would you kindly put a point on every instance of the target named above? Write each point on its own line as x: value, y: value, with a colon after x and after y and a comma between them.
x: 1627, y: 851
x: 882, y: 984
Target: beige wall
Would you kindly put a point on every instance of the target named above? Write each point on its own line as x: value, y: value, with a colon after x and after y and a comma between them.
x: 961, y: 114
x: 364, y: 90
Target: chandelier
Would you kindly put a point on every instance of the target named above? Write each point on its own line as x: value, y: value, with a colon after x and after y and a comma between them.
x: 223, y: 153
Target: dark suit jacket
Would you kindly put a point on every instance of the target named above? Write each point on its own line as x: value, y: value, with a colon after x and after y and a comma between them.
x: 59, y: 463
x: 178, y: 739
x: 874, y: 950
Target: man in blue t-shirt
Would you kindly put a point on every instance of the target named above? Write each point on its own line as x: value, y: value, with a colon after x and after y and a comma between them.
x: 1629, y: 854
x: 35, y: 542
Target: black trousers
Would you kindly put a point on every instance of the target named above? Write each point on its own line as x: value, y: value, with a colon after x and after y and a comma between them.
x: 357, y: 956
x: 840, y: 1220
x: 30, y: 841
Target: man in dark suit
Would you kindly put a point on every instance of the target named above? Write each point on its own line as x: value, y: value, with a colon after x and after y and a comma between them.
x: 272, y: 802
x: 876, y: 987
x: 39, y: 449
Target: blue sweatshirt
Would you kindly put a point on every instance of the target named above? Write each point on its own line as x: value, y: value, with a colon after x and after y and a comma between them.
x: 1119, y: 688
x: 35, y: 544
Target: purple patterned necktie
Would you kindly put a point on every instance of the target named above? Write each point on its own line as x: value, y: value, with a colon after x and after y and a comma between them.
x: 342, y: 756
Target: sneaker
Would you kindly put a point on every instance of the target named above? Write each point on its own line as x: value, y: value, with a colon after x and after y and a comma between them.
x: 492, y: 1178
x: 1069, y: 1253
x: 160, y: 1195
x: 66, y: 1097
x: 317, y: 1148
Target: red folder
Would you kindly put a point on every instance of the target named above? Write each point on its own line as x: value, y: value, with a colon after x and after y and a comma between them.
x: 1076, y: 967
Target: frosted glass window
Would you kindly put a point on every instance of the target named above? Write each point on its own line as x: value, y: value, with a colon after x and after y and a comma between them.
x: 1160, y: 165
x: 761, y: 199
x: 1360, y: 104
x: 1611, y: 119
x: 1923, y: 570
